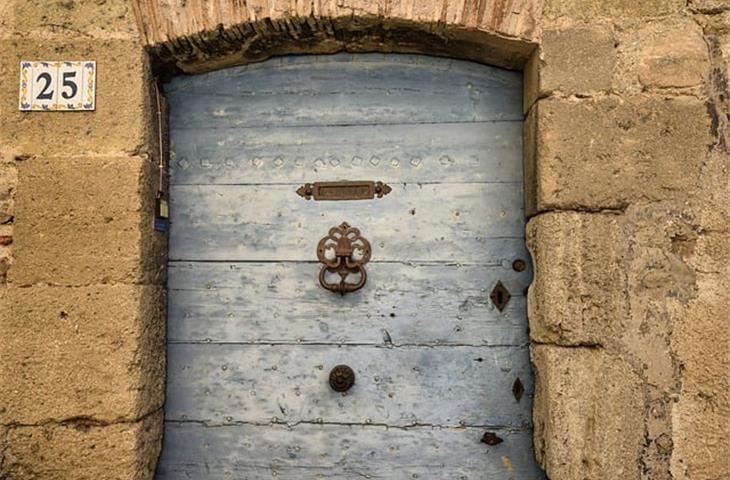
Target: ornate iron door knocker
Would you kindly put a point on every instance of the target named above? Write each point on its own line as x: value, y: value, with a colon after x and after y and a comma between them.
x: 343, y: 252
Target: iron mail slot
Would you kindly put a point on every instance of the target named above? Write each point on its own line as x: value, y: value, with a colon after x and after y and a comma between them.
x: 345, y: 190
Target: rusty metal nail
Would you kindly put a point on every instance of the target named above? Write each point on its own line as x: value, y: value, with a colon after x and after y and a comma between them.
x: 491, y: 439
x: 519, y: 265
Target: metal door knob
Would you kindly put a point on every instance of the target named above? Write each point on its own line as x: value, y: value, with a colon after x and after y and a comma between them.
x: 342, y: 378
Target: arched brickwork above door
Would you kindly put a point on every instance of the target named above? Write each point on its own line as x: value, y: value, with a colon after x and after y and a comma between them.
x: 202, y: 35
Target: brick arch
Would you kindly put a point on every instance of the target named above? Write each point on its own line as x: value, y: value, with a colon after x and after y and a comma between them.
x: 196, y: 36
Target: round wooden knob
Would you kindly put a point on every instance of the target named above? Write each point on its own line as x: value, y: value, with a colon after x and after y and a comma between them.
x: 342, y: 378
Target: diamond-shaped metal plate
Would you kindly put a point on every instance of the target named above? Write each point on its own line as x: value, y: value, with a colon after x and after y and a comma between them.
x: 500, y: 296
x: 518, y: 389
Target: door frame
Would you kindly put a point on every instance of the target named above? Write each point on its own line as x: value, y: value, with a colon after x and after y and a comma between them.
x: 204, y: 40
x: 470, y: 44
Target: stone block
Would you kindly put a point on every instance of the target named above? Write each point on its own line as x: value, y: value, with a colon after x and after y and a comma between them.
x: 8, y: 184
x: 70, y: 229
x: 588, y: 414
x: 71, y: 17
x: 531, y: 81
x: 83, y: 451
x: 121, y: 123
x: 710, y: 6
x: 578, y: 293
x: 577, y: 60
x: 660, y: 239
x: 701, y: 431
x: 672, y: 54
x: 93, y: 353
x: 607, y: 152
x: 582, y: 10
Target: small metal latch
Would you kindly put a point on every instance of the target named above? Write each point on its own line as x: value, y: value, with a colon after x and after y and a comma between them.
x: 342, y: 378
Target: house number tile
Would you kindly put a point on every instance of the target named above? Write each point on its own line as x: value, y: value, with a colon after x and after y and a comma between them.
x: 67, y: 86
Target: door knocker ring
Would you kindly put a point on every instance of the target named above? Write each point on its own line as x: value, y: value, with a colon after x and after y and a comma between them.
x: 343, y: 252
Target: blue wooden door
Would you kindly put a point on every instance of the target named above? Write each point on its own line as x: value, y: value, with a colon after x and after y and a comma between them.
x: 443, y: 384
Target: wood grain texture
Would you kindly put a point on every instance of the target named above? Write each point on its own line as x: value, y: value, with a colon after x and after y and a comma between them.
x: 305, y: 451
x: 251, y: 334
x: 428, y: 222
x: 446, y: 386
x: 283, y: 303
x: 345, y: 90
x: 461, y: 152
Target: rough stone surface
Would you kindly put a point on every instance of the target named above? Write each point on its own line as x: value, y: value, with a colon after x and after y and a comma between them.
x: 71, y: 231
x: 631, y: 282
x: 588, y: 414
x: 8, y: 185
x: 626, y: 165
x: 121, y: 123
x: 513, y: 18
x: 3, y: 443
x: 81, y: 450
x: 582, y: 10
x: 92, y: 353
x: 607, y: 152
x: 197, y: 35
x: 577, y: 60
x: 701, y: 431
x: 672, y: 55
x: 709, y: 6
x: 100, y: 18
x: 578, y: 294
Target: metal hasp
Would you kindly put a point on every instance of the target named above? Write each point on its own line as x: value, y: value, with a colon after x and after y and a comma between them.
x: 343, y: 252
x: 345, y: 190
x: 342, y: 378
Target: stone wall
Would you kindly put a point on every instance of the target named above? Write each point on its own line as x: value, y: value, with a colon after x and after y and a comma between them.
x: 629, y: 194
x: 82, y: 303
x: 627, y: 144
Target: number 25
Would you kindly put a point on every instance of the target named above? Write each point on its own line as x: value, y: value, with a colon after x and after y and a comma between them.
x: 68, y: 84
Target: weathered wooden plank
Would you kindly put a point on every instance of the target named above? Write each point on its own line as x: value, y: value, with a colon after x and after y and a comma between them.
x: 345, y: 90
x: 342, y: 452
x: 400, y: 304
x: 446, y: 222
x: 464, y: 152
x: 279, y: 68
x: 447, y: 386
x: 252, y: 336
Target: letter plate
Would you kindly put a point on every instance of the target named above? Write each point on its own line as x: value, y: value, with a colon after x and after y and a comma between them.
x: 345, y: 190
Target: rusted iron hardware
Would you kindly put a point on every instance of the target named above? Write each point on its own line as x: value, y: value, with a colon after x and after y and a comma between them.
x: 345, y: 190
x: 342, y: 378
x: 518, y: 389
x: 519, y: 265
x: 343, y: 252
x: 491, y: 439
x: 500, y: 296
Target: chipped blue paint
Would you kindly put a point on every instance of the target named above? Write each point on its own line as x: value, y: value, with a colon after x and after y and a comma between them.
x: 252, y: 335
